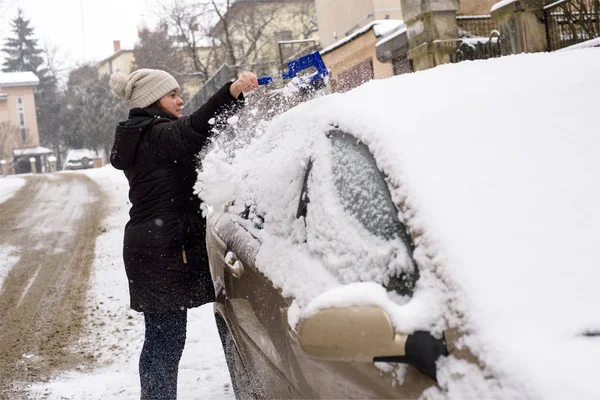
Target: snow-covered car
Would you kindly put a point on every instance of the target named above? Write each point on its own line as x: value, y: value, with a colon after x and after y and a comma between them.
x: 79, y: 159
x: 430, y: 235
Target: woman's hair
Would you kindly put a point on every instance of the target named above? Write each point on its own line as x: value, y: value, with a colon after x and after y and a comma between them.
x: 157, y: 104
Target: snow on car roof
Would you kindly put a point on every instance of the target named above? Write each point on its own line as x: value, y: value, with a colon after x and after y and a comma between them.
x: 493, y: 166
x: 80, y: 153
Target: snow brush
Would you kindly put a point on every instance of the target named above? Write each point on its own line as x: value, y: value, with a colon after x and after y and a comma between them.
x: 298, y: 65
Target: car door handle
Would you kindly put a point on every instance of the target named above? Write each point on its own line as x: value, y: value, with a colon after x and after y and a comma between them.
x: 233, y: 265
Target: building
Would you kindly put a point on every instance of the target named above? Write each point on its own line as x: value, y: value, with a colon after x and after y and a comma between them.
x: 120, y: 61
x: 267, y: 33
x: 19, y: 138
x: 338, y: 19
x: 362, y: 40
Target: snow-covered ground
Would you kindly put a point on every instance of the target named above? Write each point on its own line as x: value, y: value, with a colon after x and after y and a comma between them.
x: 115, y: 333
x: 499, y: 188
x: 9, y: 185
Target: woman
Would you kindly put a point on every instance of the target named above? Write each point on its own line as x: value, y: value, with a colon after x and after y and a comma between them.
x: 164, y: 248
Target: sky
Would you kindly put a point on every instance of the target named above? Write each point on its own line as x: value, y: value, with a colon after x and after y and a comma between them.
x: 82, y: 30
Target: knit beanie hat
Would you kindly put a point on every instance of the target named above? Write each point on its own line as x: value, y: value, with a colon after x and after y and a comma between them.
x: 142, y: 87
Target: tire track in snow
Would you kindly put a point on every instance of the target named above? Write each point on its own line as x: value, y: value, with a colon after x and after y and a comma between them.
x: 52, y: 222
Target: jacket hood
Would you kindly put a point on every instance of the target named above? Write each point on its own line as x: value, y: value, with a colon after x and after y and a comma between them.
x: 128, y: 134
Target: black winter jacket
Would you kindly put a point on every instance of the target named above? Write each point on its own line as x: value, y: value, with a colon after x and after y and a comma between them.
x: 164, y: 247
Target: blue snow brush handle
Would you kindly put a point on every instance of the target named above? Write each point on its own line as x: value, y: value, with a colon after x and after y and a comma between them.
x: 300, y: 64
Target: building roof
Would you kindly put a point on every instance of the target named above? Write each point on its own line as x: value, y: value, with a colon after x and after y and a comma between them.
x: 28, y: 78
x: 31, y: 151
x: 380, y: 28
x: 113, y: 56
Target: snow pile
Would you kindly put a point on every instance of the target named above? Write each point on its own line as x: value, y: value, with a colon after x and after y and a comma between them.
x: 9, y: 186
x: 115, y: 333
x: 8, y: 258
x: 493, y: 170
x: 380, y: 28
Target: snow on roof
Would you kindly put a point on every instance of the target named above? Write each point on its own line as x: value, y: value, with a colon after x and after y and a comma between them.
x: 503, y: 206
x: 8, y: 79
x: 393, y: 34
x: 380, y: 28
x: 31, y: 151
x: 501, y: 4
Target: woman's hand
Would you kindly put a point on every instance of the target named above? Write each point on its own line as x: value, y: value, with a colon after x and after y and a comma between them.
x: 245, y: 83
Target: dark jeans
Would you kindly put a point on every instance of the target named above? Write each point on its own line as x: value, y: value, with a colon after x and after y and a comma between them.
x: 159, y: 361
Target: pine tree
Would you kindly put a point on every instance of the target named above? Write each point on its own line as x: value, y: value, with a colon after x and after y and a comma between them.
x: 22, y: 51
x: 90, y: 111
x: 23, y: 54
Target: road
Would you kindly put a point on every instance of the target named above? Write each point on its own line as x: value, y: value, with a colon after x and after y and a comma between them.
x: 52, y: 224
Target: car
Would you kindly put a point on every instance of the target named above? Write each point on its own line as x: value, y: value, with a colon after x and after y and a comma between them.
x: 429, y: 235
x: 79, y: 159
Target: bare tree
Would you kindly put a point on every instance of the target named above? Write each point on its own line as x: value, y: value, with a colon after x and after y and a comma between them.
x: 191, y: 24
x: 9, y: 135
x: 240, y: 33
x: 245, y: 30
x: 308, y: 19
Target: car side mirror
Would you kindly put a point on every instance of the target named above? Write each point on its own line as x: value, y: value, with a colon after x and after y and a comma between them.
x: 366, y: 334
x: 358, y: 334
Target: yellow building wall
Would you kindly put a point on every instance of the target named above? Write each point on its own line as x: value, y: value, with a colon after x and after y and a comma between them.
x: 353, y: 53
x: 476, y: 7
x: 287, y: 18
x: 26, y: 92
x: 122, y: 62
x: 7, y: 153
x: 337, y: 17
x: 3, y: 110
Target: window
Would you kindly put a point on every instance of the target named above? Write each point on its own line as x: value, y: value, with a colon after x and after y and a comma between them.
x: 362, y: 193
x: 21, y: 114
x: 361, y: 187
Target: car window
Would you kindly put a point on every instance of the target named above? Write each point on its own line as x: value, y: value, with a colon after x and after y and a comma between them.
x: 362, y: 189
x: 361, y: 192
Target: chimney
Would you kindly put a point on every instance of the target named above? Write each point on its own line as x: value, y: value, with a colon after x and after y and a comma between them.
x: 117, y: 45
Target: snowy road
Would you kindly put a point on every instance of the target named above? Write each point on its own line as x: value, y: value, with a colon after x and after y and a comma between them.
x: 83, y: 345
x: 49, y: 229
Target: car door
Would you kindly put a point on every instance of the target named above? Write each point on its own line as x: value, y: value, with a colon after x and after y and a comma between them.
x: 254, y: 310
x: 362, y: 191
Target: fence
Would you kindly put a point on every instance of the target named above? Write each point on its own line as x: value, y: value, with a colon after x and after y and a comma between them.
x: 292, y: 49
x: 475, y: 25
x: 478, y: 48
x: 570, y: 22
x: 223, y: 75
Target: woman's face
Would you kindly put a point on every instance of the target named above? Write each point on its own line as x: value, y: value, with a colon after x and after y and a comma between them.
x: 172, y: 103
